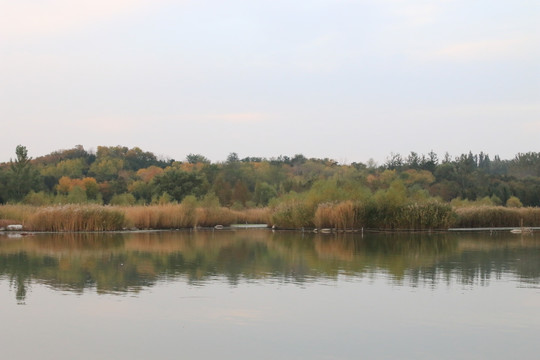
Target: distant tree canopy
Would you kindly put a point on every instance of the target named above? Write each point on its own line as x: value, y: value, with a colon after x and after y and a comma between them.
x: 121, y: 175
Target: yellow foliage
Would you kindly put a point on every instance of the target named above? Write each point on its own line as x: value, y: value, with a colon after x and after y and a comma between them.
x: 64, y: 185
x: 422, y: 177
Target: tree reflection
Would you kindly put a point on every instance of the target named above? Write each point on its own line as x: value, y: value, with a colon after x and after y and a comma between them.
x: 119, y: 263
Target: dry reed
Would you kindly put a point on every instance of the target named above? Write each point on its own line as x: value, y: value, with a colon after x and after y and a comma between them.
x: 341, y: 215
x: 211, y: 216
x: 16, y: 214
x: 496, y: 216
x: 254, y: 216
x: 168, y: 216
x: 76, y: 218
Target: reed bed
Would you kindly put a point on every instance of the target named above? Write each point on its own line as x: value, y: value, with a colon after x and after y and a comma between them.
x: 293, y: 214
x: 428, y: 215
x: 76, y: 218
x: 343, y: 215
x: 168, y: 216
x: 211, y: 216
x: 105, y: 218
x: 496, y: 216
x: 16, y: 214
x: 355, y: 215
x: 254, y: 216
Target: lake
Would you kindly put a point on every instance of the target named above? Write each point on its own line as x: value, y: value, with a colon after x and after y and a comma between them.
x: 258, y: 294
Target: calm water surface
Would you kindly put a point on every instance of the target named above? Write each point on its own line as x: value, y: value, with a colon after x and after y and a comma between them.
x: 254, y: 294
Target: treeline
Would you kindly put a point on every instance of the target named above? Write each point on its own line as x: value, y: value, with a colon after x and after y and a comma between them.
x: 300, y: 191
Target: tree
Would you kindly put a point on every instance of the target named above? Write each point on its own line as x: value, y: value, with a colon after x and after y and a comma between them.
x: 178, y: 183
x: 197, y: 158
x: 22, y: 177
x: 240, y: 192
x: 264, y: 193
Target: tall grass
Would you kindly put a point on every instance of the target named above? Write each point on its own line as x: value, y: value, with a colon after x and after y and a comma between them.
x: 168, y: 216
x: 254, y: 216
x: 413, y: 216
x: 496, y: 216
x: 426, y: 215
x: 106, y: 218
x: 292, y: 214
x: 343, y: 215
x: 211, y: 216
x: 16, y: 214
x: 76, y: 218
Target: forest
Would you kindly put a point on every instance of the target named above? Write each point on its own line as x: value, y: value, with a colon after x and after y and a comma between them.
x: 412, y: 191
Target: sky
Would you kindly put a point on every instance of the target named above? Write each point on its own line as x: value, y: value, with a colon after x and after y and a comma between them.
x: 350, y: 80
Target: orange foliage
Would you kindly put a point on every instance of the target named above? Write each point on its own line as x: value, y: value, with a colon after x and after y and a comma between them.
x: 65, y: 184
x: 149, y: 173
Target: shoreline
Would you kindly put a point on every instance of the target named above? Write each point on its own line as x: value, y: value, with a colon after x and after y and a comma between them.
x: 244, y: 227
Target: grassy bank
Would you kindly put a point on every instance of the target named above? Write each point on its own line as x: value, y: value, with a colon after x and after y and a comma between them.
x: 293, y: 214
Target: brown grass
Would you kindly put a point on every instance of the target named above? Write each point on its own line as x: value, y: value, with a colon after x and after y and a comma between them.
x: 254, y: 216
x: 211, y: 216
x: 16, y: 214
x: 76, y: 218
x: 496, y: 216
x: 336, y: 215
x: 104, y: 218
x: 168, y: 216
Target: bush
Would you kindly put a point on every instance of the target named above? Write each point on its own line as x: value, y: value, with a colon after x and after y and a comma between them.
x: 38, y: 199
x: 125, y: 199
x: 513, y: 202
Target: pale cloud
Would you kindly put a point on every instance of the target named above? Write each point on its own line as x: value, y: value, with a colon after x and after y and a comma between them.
x: 26, y: 18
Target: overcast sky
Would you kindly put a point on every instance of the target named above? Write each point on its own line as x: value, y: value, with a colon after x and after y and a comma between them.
x: 345, y: 79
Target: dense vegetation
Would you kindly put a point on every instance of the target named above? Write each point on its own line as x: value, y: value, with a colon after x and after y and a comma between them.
x: 417, y: 191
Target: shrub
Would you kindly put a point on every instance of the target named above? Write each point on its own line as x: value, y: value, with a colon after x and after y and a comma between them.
x: 125, y: 199
x: 513, y: 202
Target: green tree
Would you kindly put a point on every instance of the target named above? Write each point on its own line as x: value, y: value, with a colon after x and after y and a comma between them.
x: 22, y: 177
x: 178, y: 183
x: 264, y: 192
x: 106, y: 168
x: 197, y: 158
x: 77, y: 195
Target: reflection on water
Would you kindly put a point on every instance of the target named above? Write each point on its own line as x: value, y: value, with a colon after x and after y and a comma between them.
x: 255, y: 294
x: 128, y: 262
